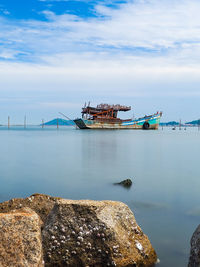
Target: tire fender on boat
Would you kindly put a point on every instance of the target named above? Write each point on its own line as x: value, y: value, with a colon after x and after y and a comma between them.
x: 146, y: 125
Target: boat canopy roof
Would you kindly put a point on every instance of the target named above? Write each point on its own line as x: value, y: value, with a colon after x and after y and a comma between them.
x: 104, y: 107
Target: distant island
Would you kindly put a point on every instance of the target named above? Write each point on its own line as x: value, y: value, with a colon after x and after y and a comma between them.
x: 175, y: 123
x: 60, y: 122
x: 193, y: 123
x: 170, y: 123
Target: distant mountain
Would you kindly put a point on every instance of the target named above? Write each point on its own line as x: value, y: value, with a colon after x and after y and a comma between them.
x: 196, y: 122
x: 60, y: 122
x: 170, y: 123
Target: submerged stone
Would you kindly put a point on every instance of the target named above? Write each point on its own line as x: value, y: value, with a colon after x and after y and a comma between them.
x: 126, y: 183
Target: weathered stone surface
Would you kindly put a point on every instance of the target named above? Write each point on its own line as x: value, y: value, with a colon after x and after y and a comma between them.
x: 41, y: 204
x: 194, y: 260
x: 20, y: 239
x: 94, y: 233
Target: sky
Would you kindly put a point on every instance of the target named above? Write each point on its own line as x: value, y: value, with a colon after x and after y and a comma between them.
x: 55, y: 55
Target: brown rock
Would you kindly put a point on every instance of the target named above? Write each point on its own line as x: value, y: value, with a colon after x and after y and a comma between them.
x: 41, y: 204
x: 194, y: 260
x: 20, y: 239
x: 94, y: 233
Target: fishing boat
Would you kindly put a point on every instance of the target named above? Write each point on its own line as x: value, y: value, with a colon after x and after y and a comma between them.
x: 104, y: 116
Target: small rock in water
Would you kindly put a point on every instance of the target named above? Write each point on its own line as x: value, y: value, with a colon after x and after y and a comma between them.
x: 126, y: 183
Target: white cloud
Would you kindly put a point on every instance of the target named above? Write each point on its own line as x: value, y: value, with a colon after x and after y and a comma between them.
x: 4, y: 11
x: 147, y: 27
x: 119, y: 77
x: 8, y: 54
x: 49, y: 89
x: 143, y: 49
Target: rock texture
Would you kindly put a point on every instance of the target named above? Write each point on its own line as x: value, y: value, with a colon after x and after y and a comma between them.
x: 20, y: 239
x: 75, y: 234
x: 94, y: 233
x: 194, y: 260
x: 41, y: 204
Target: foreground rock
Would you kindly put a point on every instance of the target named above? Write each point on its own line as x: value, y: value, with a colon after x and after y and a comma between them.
x: 195, y: 249
x: 20, y: 239
x: 94, y: 233
x: 41, y: 204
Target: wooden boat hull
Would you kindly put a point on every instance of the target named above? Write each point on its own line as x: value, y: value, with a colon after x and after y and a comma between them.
x: 145, y: 123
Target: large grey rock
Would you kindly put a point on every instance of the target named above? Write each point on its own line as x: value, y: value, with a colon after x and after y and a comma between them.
x: 194, y: 260
x: 94, y: 233
x: 20, y: 239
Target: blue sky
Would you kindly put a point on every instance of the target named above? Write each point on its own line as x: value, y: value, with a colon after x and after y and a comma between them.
x: 32, y: 9
x: 57, y: 54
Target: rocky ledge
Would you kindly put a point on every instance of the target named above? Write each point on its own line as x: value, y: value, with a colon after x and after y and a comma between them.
x: 194, y: 260
x: 46, y: 231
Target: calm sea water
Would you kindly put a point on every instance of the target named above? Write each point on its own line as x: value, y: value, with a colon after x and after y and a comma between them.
x: 70, y: 163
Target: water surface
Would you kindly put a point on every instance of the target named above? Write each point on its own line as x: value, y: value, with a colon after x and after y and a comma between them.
x: 70, y: 163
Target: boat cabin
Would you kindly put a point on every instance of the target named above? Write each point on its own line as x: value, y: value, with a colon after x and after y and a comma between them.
x: 103, y: 112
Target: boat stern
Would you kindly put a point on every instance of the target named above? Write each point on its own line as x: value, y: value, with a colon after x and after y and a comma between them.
x: 80, y: 123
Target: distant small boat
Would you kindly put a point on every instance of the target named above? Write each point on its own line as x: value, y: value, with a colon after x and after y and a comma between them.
x: 104, y: 116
